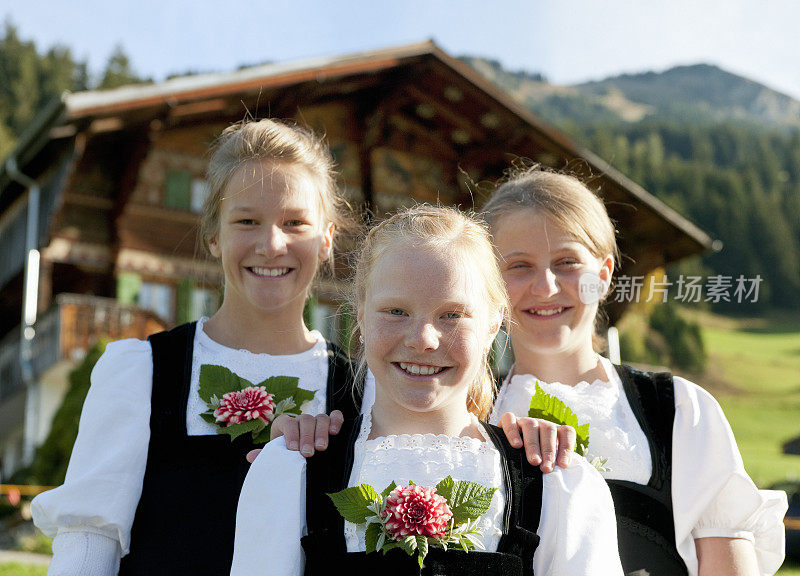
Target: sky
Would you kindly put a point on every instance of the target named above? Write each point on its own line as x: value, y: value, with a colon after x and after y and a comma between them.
x: 569, y: 41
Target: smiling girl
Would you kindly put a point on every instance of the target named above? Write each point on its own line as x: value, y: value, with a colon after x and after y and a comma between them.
x: 150, y: 479
x: 429, y: 300
x: 684, y: 503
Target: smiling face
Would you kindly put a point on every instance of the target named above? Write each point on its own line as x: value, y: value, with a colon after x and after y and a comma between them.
x: 425, y: 325
x: 545, y: 268
x: 271, y: 238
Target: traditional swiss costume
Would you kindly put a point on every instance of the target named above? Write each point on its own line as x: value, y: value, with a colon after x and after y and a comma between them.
x: 149, y: 479
x: 673, y: 467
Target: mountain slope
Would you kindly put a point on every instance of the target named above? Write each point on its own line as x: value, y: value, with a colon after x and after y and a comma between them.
x: 700, y: 93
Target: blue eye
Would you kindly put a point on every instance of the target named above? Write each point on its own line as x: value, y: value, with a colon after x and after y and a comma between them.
x: 453, y: 315
x: 396, y: 312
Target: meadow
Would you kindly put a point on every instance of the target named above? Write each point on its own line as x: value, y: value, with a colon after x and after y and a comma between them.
x: 754, y: 372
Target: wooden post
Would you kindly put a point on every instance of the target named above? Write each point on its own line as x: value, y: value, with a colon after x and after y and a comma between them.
x: 371, y: 131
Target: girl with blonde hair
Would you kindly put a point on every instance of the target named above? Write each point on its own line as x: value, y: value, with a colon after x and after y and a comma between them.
x: 151, y: 479
x: 429, y: 300
x: 684, y: 503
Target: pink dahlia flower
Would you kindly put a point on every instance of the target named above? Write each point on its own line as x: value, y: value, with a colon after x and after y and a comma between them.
x: 416, y: 510
x: 254, y: 402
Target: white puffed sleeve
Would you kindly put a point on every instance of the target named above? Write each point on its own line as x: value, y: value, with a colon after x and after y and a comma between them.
x: 271, y: 517
x: 577, y: 526
x: 104, y: 479
x: 712, y: 494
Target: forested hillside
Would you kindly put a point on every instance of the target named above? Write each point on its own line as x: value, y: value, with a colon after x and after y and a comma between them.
x: 29, y: 79
x: 723, y: 150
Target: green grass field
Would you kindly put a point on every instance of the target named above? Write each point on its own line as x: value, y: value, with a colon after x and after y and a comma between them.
x: 17, y: 569
x: 754, y: 372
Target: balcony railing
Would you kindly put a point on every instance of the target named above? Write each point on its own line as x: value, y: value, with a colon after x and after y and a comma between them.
x: 67, y: 331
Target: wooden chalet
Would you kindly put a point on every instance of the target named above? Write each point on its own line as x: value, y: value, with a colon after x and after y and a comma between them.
x: 121, y: 176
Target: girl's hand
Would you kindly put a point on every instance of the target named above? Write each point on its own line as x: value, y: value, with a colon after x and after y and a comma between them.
x: 543, y: 440
x: 545, y: 443
x: 304, y: 433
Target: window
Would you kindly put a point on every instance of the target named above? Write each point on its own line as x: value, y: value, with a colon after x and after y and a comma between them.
x: 199, y: 192
x: 323, y: 318
x: 177, y: 192
x: 128, y: 284
x: 156, y: 298
x: 204, y: 303
x: 503, y: 354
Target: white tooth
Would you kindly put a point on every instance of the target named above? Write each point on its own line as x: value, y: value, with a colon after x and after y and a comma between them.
x: 415, y: 368
x: 270, y: 271
x: 403, y: 366
x: 424, y: 370
x: 550, y: 312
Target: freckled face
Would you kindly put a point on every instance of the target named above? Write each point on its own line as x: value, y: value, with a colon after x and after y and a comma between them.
x: 425, y: 329
x: 271, y: 237
x: 542, y: 267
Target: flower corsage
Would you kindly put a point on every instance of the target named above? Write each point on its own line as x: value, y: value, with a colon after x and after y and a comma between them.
x: 548, y: 407
x: 415, y: 518
x: 238, y: 406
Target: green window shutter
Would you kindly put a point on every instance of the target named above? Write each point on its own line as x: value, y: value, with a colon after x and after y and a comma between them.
x: 178, y: 190
x: 128, y: 284
x: 308, y: 312
x: 184, y: 301
x: 346, y: 324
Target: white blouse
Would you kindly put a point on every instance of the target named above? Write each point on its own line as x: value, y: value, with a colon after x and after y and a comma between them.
x: 577, y: 526
x: 91, y: 514
x: 711, y: 492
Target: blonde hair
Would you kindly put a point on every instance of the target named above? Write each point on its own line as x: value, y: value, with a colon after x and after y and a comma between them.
x: 563, y: 198
x: 444, y: 230
x: 285, y: 144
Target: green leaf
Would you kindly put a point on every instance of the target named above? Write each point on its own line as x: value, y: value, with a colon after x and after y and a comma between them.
x: 237, y: 430
x: 388, y: 489
x: 408, y: 544
x: 281, y: 386
x: 263, y: 436
x: 371, y: 537
x: 548, y: 407
x: 389, y: 545
x: 469, y: 500
x: 468, y: 542
x: 422, y: 550
x: 218, y: 381
x: 352, y: 502
x: 208, y: 417
x: 445, y: 488
x: 302, y: 396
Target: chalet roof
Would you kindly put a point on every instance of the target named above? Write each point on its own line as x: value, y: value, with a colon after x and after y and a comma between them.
x: 290, y: 84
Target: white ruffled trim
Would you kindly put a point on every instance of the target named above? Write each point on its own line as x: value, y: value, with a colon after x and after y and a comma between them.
x: 614, y: 432
x: 426, y: 459
x: 311, y: 366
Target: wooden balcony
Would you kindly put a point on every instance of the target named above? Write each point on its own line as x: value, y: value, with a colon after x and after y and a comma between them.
x: 67, y: 331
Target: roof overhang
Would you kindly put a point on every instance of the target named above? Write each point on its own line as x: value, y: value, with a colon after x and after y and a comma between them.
x: 223, y: 94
